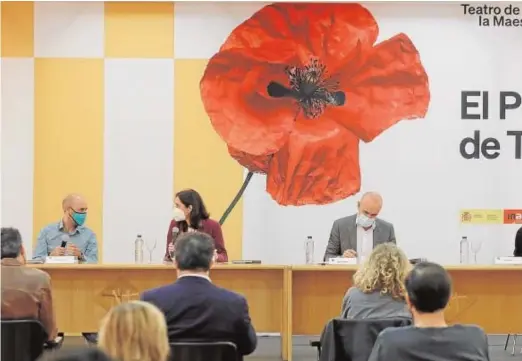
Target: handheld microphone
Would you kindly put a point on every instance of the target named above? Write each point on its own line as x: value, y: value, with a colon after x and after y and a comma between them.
x: 175, y: 234
x: 65, y: 239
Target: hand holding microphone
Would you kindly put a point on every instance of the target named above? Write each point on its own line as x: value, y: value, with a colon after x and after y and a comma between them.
x: 175, y: 233
x: 70, y: 248
x: 60, y: 250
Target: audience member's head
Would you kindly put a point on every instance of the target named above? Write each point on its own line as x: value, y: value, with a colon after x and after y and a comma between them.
x: 194, y: 253
x: 12, y: 246
x: 428, y: 287
x: 77, y: 354
x: 134, y: 331
x: 384, y: 271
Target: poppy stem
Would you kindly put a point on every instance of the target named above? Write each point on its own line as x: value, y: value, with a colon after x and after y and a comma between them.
x: 236, y: 198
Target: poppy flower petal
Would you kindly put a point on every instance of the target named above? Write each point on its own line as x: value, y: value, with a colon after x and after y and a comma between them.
x: 390, y: 85
x: 318, y: 165
x: 329, y: 31
x: 234, y: 94
x: 254, y: 163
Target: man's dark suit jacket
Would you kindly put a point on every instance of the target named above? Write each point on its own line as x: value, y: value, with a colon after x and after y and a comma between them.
x: 197, y: 310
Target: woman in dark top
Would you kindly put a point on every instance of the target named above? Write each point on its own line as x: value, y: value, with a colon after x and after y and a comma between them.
x: 518, y: 244
x: 190, y: 215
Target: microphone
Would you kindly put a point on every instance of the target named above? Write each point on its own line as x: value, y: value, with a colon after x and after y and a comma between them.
x: 65, y: 238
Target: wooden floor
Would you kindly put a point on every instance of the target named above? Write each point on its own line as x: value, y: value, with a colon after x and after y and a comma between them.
x: 269, y: 349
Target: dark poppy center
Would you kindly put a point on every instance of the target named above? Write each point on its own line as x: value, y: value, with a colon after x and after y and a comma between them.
x: 312, y: 87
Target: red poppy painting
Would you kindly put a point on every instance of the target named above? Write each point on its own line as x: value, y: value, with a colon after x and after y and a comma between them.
x: 296, y: 87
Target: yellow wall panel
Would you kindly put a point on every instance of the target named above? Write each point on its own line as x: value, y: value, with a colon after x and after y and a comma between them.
x: 201, y: 159
x: 68, y: 144
x: 17, y: 29
x: 139, y: 30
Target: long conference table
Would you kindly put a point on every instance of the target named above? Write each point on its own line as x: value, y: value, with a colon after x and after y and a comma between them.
x: 288, y: 300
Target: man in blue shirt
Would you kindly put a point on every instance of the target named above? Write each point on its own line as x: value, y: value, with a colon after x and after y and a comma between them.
x: 81, y: 241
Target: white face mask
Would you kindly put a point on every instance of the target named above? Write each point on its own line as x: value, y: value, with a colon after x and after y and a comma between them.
x: 365, y: 221
x: 178, y: 215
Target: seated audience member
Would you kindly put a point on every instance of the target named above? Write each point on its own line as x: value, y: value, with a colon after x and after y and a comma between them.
x: 428, y: 288
x: 26, y: 292
x: 134, y: 331
x: 81, y: 241
x: 518, y: 244
x: 77, y: 354
x: 190, y: 214
x: 378, y: 290
x: 196, y: 309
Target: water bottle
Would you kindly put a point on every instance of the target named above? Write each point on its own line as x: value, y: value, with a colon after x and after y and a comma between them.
x: 464, y: 250
x: 309, y: 250
x: 138, y: 249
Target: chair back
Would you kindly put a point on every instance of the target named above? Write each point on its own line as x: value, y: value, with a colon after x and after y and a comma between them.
x: 353, y: 340
x: 22, y: 340
x: 203, y: 351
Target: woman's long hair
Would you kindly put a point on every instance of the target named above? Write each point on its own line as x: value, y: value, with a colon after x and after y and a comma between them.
x: 384, y: 271
x: 190, y: 197
x: 518, y: 244
x: 135, y: 331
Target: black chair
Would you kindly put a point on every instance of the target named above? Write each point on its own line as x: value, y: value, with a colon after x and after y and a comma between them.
x: 203, y: 351
x: 352, y: 340
x: 25, y: 340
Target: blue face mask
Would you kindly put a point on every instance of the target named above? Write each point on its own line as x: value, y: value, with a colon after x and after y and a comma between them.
x: 79, y: 218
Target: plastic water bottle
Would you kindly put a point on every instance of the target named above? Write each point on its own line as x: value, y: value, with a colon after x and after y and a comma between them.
x: 138, y: 249
x: 309, y: 250
x: 464, y: 250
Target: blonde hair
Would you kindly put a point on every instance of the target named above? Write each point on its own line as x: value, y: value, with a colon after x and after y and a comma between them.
x: 135, y: 331
x: 384, y: 271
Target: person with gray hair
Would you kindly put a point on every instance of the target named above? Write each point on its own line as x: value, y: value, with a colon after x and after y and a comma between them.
x: 195, y: 308
x: 26, y: 292
x: 79, y: 240
x: 355, y: 236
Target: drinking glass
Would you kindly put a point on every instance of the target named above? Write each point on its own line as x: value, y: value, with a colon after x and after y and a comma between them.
x: 151, y: 246
x: 476, y: 244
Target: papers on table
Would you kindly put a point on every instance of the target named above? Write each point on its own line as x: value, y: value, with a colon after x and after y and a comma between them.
x: 508, y: 260
x: 61, y: 260
x: 342, y: 260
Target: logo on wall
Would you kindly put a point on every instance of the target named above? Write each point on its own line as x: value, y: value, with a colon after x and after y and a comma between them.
x: 513, y: 216
x: 296, y: 87
x: 509, y: 16
x: 491, y: 216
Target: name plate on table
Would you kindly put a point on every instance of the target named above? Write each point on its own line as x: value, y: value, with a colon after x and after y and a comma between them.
x: 342, y: 261
x: 508, y: 260
x: 61, y: 260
